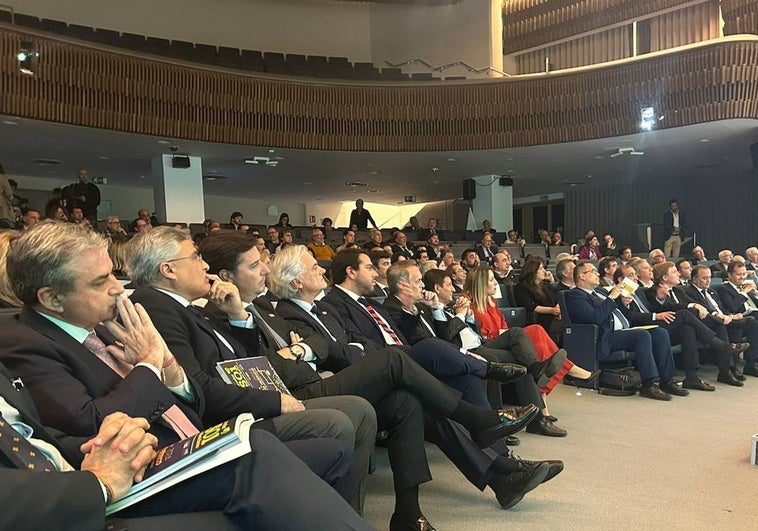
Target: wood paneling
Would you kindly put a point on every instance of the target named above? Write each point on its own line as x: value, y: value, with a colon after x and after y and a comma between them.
x: 89, y: 86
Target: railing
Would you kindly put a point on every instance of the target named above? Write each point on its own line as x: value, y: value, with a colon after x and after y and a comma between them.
x: 442, y: 68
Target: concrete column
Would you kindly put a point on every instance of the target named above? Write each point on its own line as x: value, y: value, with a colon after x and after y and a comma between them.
x: 178, y: 191
x: 493, y: 202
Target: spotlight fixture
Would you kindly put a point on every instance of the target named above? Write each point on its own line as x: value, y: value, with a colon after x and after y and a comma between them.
x: 27, y: 58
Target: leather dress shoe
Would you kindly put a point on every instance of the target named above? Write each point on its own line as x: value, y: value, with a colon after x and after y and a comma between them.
x: 511, y: 488
x: 421, y: 524
x: 729, y: 379
x: 504, y: 372
x: 552, y: 418
x: 512, y: 440
x: 542, y: 426
x: 537, y: 369
x: 738, y: 374
x: 555, y: 467
x: 671, y: 387
x: 509, y: 424
x: 750, y: 371
x: 699, y: 385
x: 654, y: 392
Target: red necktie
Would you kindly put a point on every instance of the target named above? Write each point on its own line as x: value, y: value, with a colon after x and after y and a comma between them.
x: 378, y: 319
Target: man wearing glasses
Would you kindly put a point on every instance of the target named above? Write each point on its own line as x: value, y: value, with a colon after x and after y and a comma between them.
x: 652, y: 348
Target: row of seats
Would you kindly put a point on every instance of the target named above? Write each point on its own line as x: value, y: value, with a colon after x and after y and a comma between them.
x: 223, y: 56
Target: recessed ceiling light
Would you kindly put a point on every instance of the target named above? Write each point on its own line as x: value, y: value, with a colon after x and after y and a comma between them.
x: 10, y: 122
x: 375, y: 172
x: 164, y: 142
x: 451, y: 159
x: 103, y: 157
x: 215, y: 177
x: 599, y: 157
x: 307, y: 183
x: 373, y: 191
x: 212, y: 171
x: 47, y: 162
x: 356, y: 183
x: 704, y: 140
x: 270, y: 150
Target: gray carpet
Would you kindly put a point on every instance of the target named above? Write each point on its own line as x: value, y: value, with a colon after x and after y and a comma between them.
x: 631, y: 463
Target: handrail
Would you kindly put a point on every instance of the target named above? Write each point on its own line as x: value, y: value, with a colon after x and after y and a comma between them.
x: 440, y: 68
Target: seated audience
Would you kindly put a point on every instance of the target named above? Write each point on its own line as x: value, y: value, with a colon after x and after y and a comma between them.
x: 609, y: 245
x: 625, y: 255
x: 431, y: 229
x: 486, y: 248
x: 607, y: 267
x: 381, y: 260
x: 56, y: 212
x: 502, y: 268
x: 458, y: 275
x: 698, y: 255
x: 317, y: 246
x: 591, y: 249
x: 657, y: 257
x: 57, y: 346
x: 8, y: 297
x: 684, y: 267
x: 469, y: 259
x: 285, y: 239
x: 719, y: 269
x: 739, y: 296
x: 514, y: 238
x: 117, y: 254
x: 29, y: 218
x: 533, y: 293
x: 284, y: 221
x: 447, y: 258
x: 564, y: 274
x: 401, y: 246
x: 375, y: 239
x: 236, y: 220
x: 556, y: 240
x: 113, y: 229
x: 348, y: 241
x: 644, y: 272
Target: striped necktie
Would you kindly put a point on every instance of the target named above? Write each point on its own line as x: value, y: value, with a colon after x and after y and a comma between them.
x: 379, y: 320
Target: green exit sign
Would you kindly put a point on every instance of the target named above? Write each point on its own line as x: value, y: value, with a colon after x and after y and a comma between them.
x: 410, y: 198
x: 100, y: 180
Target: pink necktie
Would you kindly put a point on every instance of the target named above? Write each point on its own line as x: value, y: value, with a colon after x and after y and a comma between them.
x: 173, y: 415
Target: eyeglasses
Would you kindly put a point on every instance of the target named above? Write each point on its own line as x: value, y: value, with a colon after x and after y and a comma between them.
x: 194, y: 256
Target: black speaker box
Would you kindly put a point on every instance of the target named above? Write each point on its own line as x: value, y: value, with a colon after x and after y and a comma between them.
x: 754, y: 155
x: 506, y: 181
x: 469, y: 189
x: 180, y: 161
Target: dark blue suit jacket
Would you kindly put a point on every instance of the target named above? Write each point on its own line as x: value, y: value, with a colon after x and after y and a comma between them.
x: 668, y: 224
x: 731, y: 300
x: 585, y: 309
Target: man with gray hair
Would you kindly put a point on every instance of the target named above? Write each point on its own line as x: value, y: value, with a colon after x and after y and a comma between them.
x: 62, y: 273
x: 170, y: 273
x: 564, y: 274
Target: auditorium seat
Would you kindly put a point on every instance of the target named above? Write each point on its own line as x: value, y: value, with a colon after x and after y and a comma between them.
x: 27, y: 21
x: 228, y: 57
x: 251, y: 60
x: 5, y: 16
x: 105, y: 36
x: 205, y: 53
x: 157, y: 46
x: 182, y: 50
x: 133, y: 42
x: 54, y: 26
x: 78, y: 31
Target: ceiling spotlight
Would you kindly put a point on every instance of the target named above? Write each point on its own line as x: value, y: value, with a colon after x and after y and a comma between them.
x: 27, y: 58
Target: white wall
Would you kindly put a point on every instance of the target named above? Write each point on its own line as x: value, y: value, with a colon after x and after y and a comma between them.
x: 470, y: 32
x: 288, y: 26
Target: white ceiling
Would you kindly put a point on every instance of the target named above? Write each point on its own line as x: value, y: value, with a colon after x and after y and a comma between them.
x: 716, y: 149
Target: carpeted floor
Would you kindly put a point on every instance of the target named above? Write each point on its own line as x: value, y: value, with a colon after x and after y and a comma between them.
x: 631, y: 463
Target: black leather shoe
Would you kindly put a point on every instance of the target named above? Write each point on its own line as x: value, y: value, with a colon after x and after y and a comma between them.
x: 511, y: 488
x: 421, y: 524
x: 750, y: 371
x: 672, y: 388
x: 738, y: 374
x: 509, y: 424
x: 654, y: 392
x: 552, y: 418
x: 729, y: 379
x: 699, y: 385
x: 504, y: 372
x: 542, y: 426
x: 515, y: 412
x: 512, y: 440
x: 555, y: 467
x: 537, y: 369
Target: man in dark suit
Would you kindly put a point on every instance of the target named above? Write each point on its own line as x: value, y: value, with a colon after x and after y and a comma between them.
x: 360, y: 217
x: 299, y: 280
x: 401, y: 246
x: 486, y: 249
x: 737, y: 296
x: 503, y: 269
x: 454, y: 322
x: 170, y: 273
x: 674, y: 228
x: 737, y: 324
x: 683, y: 326
x: 431, y: 230
x: 391, y: 381
x: 381, y: 261
x: 62, y: 273
x: 651, y: 348
x: 564, y: 275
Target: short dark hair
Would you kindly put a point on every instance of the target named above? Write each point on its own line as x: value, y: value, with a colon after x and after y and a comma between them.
x: 466, y: 252
x: 680, y: 262
x: 378, y: 255
x: 579, y: 268
x: 733, y: 265
x: 344, y: 259
x: 672, y: 201
x: 624, y: 248
x: 605, y: 263
x: 697, y: 269
x: 435, y: 277
x: 562, y: 266
x: 344, y: 232
x: 222, y: 249
x: 618, y: 274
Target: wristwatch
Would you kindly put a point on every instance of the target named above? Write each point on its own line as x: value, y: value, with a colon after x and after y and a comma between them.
x: 298, y: 351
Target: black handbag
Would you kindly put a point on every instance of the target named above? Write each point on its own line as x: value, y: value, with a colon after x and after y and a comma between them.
x: 625, y: 380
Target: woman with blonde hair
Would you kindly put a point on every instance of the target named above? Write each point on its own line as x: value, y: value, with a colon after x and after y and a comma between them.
x: 479, y: 289
x: 117, y: 254
x: 8, y: 298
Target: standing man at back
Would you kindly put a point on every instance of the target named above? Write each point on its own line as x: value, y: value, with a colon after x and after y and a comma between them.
x: 673, y: 229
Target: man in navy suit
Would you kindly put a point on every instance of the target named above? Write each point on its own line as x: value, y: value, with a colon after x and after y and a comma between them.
x: 737, y: 296
x: 486, y: 249
x: 652, y: 349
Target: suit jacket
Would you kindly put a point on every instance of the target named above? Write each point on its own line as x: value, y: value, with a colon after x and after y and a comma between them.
x: 585, y: 309
x: 732, y: 300
x: 74, y: 391
x: 351, y: 310
x: 450, y: 330
x: 410, y: 325
x: 719, y: 270
x: 668, y: 224
x: 379, y: 292
x: 668, y: 305
x: 696, y: 295
x: 425, y: 233
x: 480, y: 251
x: 408, y: 252
x: 195, y: 345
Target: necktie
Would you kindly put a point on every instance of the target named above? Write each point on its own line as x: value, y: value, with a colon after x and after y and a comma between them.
x: 379, y: 321
x: 260, y: 321
x: 173, y: 415
x: 708, y: 301
x: 639, y: 303
x: 317, y: 316
x: 617, y: 314
x: 20, y: 451
x: 673, y: 296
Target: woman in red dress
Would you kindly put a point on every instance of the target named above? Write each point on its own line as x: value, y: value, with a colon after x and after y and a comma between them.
x: 480, y: 288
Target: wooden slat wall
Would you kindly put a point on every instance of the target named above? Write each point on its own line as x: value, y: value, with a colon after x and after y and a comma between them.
x: 685, y: 26
x: 740, y: 16
x: 723, y: 215
x: 88, y: 86
x: 532, y: 23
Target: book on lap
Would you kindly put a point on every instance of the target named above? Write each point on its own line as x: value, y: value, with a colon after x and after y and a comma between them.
x: 189, y: 457
x: 255, y: 372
